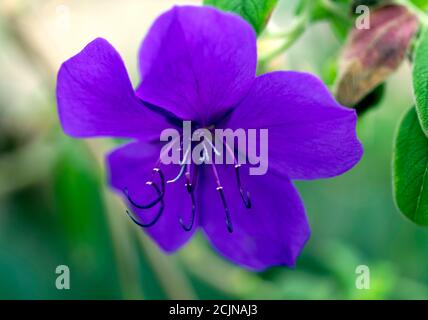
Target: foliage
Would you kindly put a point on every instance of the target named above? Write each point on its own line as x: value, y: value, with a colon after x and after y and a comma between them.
x: 369, y: 57
x: 256, y: 12
x: 55, y: 208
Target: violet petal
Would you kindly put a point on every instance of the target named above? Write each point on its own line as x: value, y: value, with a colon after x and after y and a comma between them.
x: 96, y: 98
x: 310, y: 135
x: 272, y: 232
x: 197, y: 62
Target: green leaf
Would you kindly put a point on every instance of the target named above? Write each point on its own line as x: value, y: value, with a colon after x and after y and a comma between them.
x: 410, y: 169
x: 340, y: 28
x: 420, y: 78
x: 423, y: 4
x: 256, y: 12
x: 82, y: 219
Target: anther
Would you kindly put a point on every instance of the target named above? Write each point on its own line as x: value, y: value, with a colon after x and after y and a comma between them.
x: 157, y: 216
x: 244, y: 195
x: 160, y: 192
x: 190, y: 187
x: 223, y: 199
x: 226, y: 209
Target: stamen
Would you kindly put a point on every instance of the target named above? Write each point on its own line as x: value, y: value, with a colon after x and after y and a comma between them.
x: 226, y: 209
x: 160, y: 193
x: 180, y: 174
x: 223, y: 199
x: 183, y: 166
x: 244, y: 195
x: 212, y: 146
x: 190, y: 186
x: 160, y: 196
x: 157, y: 216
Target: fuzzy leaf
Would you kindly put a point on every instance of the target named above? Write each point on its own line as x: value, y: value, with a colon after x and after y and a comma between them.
x: 256, y: 12
x: 410, y: 169
x: 420, y: 78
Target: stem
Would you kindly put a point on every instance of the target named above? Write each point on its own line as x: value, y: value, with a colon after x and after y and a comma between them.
x: 171, y: 277
x: 291, y: 36
x: 334, y: 9
x: 290, y: 39
x: 127, y: 262
x: 223, y: 276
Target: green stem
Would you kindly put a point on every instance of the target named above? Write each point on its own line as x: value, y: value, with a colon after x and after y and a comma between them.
x: 169, y: 273
x: 334, y: 9
x: 290, y: 36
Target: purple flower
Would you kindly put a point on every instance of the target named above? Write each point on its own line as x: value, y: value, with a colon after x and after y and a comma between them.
x: 199, y: 64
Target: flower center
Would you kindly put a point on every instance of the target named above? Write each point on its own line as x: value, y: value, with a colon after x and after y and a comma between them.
x: 189, y: 172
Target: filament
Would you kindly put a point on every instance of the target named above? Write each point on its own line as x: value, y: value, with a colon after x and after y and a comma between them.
x: 190, y: 187
x: 223, y: 199
x: 245, y: 195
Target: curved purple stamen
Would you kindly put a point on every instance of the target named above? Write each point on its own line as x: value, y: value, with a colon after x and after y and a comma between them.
x: 244, y: 195
x: 190, y: 186
x: 223, y: 199
x: 160, y: 193
x: 226, y: 209
x: 157, y: 216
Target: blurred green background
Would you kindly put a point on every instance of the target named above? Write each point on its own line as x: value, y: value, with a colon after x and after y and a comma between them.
x: 55, y: 207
